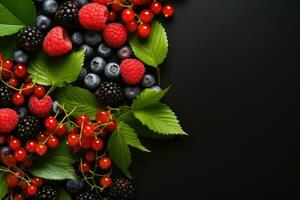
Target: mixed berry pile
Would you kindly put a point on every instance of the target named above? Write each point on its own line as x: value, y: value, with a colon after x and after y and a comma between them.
x: 36, y: 128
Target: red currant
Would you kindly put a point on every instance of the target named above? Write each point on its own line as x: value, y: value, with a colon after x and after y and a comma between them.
x: 156, y: 7
x: 104, y: 163
x: 112, y: 127
x: 9, y: 160
x: 103, y: 117
x: 90, y: 156
x: 20, y: 71
x: 112, y: 16
x: 31, y: 190
x: 20, y: 155
x: 51, y: 124
x: 82, y: 119
x: 13, y: 82
x: 137, y: 2
x: 116, y: 7
x: 12, y: 180
x: 146, y: 16
x: 18, y: 197
x: 84, y: 167
x: 144, y: 30
x: 42, y: 137
x: 14, y: 144
x: 168, y: 10
x: 73, y: 139
x: 97, y: 144
x: 6, y: 72
x: 41, y: 149
x: 18, y: 99
x: 37, y: 181
x: 132, y: 26
x: 27, y: 89
x: 61, y: 130
x: 86, y: 142
x: 127, y: 15
x: 30, y: 146
x: 88, y: 130
x: 39, y: 91
x: 105, y: 181
x: 53, y: 142
x: 23, y: 185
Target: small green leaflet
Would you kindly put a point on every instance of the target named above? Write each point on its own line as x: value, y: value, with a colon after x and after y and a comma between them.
x: 118, y: 146
x: 3, y: 185
x: 83, y: 100
x: 15, y: 14
x: 56, y: 71
x: 63, y: 195
x: 56, y: 164
x: 7, y: 45
x: 154, y: 49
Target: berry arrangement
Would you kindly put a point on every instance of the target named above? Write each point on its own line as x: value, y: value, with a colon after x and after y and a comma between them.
x: 79, y: 87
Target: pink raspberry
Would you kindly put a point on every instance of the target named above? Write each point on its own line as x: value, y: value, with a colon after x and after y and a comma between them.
x: 57, y: 42
x: 93, y: 16
x: 115, y: 35
x: 40, y: 107
x: 132, y: 71
x: 9, y: 119
x: 104, y: 2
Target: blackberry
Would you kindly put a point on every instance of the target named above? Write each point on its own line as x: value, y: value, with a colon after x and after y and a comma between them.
x: 46, y: 193
x: 27, y: 128
x: 88, y: 195
x: 122, y: 189
x: 30, y: 39
x: 5, y: 96
x: 110, y: 94
x: 67, y: 14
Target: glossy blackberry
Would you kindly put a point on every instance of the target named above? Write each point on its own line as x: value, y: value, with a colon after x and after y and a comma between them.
x: 46, y: 193
x: 122, y: 189
x: 67, y: 14
x: 88, y: 195
x: 110, y: 94
x: 28, y: 127
x: 5, y: 96
x: 30, y: 39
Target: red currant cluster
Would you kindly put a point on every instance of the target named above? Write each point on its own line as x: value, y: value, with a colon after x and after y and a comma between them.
x: 138, y: 14
x: 88, y: 138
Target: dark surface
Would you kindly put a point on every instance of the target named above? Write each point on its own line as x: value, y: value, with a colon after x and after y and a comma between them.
x: 235, y: 76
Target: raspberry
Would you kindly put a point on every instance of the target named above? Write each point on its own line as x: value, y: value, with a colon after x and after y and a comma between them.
x: 40, y: 107
x: 132, y: 71
x: 57, y: 42
x: 115, y: 35
x: 104, y: 2
x: 93, y: 16
x: 8, y: 120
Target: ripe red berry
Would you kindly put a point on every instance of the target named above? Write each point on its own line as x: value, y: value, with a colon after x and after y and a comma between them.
x: 20, y: 71
x: 116, y: 7
x: 18, y: 99
x: 61, y: 130
x: 6, y: 71
x: 30, y: 146
x: 90, y: 156
x: 84, y: 167
x: 112, y: 16
x: 146, y: 16
x: 14, y: 144
x: 41, y: 149
x: 168, y: 10
x: 53, y: 142
x: 97, y: 144
x: 9, y: 160
x: 39, y: 91
x: 112, y: 127
x: 82, y: 119
x: 127, y: 15
x: 31, y: 190
x: 156, y: 7
x: 73, y: 139
x: 13, y: 82
x: 88, y: 130
x: 20, y: 155
x: 42, y: 137
x: 144, y: 30
x: 7, y: 64
x: 18, y: 196
x: 51, y: 124
x: 105, y: 181
x: 12, y: 180
x: 103, y: 117
x: 132, y: 26
x: 37, y: 181
x: 104, y: 163
x: 137, y: 2
x: 27, y: 89
x: 86, y: 142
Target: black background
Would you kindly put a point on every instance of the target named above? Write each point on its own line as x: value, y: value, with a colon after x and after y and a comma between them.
x: 234, y: 70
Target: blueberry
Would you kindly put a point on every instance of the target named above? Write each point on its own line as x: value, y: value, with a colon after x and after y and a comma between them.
x: 43, y: 22
x: 77, y: 39
x: 97, y: 65
x: 75, y: 186
x: 132, y: 92
x: 82, y: 74
x: 148, y: 81
x: 92, y: 38
x: 156, y: 88
x: 88, y: 51
x: 22, y: 112
x: 5, y: 150
x: 92, y: 81
x: 49, y: 7
x: 81, y: 3
x: 124, y: 52
x: 54, y: 108
x: 20, y: 57
x: 112, y: 70
x: 104, y: 50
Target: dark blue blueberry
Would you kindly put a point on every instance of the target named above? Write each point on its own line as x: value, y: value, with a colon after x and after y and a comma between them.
x: 132, y: 92
x: 82, y: 74
x: 97, y: 65
x: 81, y: 3
x: 92, y: 38
x: 104, y: 50
x: 75, y: 186
x: 148, y: 81
x: 22, y: 112
x: 112, y: 70
x: 5, y: 150
x: 88, y: 51
x: 92, y: 81
x: 55, y: 107
x: 20, y: 57
x: 43, y: 22
x: 77, y: 39
x: 49, y: 7
x: 124, y: 52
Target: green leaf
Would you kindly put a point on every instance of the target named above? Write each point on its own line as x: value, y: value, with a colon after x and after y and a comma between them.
x: 3, y: 185
x: 7, y: 46
x: 56, y: 71
x: 56, y: 164
x: 148, y: 98
x: 14, y: 14
x: 63, y: 195
x: 154, y: 49
x: 159, y: 118
x: 83, y: 100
